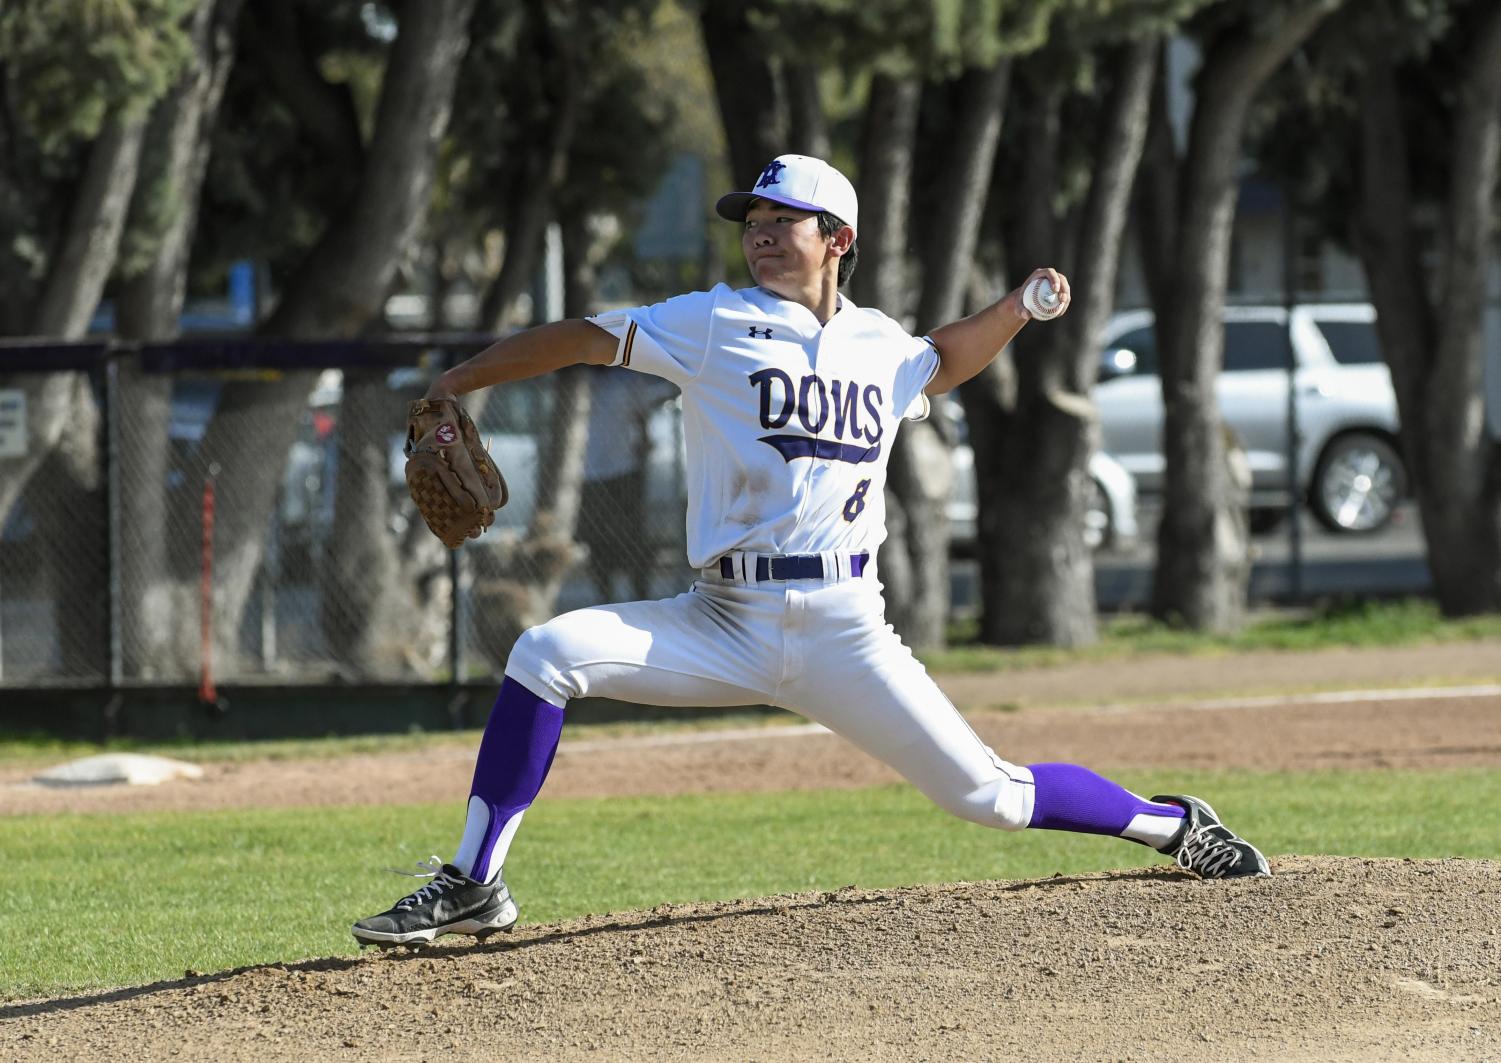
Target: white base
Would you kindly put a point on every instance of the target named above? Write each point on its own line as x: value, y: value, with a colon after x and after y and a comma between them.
x: 108, y: 769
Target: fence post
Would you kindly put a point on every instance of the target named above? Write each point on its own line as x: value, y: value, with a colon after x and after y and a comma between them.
x: 455, y: 620
x: 1290, y: 300
x: 449, y: 359
x: 114, y: 532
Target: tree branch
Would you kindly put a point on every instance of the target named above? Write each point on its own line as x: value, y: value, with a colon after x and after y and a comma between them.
x: 1386, y: 240
x: 809, y: 126
x: 340, y: 285
x: 1157, y: 193
x: 325, y: 110
x: 746, y: 87
x: 1123, y: 131
x: 950, y: 246
x: 1472, y: 189
x: 76, y: 276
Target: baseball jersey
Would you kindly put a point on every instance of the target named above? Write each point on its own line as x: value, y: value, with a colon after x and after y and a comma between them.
x: 788, y: 424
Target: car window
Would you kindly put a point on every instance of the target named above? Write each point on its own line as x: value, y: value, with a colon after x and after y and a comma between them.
x: 1143, y: 343
x: 1251, y: 345
x: 1352, y: 342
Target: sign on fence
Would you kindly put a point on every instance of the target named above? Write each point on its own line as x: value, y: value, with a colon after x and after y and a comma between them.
x: 12, y: 423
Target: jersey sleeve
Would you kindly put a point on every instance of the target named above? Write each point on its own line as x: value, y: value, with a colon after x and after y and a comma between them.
x: 917, y: 369
x: 668, y: 339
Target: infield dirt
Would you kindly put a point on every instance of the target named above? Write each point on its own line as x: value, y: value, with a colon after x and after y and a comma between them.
x: 1330, y: 959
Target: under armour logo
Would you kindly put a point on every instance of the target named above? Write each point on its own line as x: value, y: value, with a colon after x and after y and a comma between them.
x: 769, y: 175
x: 760, y: 334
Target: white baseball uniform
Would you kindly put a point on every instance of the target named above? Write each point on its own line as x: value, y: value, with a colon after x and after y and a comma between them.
x: 788, y: 426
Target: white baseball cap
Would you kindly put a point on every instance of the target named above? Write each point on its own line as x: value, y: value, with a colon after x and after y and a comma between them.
x: 798, y: 181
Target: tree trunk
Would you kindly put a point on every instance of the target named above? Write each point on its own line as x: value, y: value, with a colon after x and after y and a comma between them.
x: 1035, y: 576
x: 173, y: 164
x: 885, y: 193
x: 154, y: 600
x: 949, y: 248
x: 1121, y: 140
x: 922, y: 460
x: 337, y: 291
x: 808, y: 124
x: 745, y: 85
x: 1435, y: 351
x: 75, y: 280
x: 66, y: 504
x: 360, y: 584
x: 516, y: 585
x: 63, y: 417
x: 325, y: 110
x: 1467, y: 485
x: 527, y: 219
x: 880, y: 281
x: 1202, y: 549
x: 1039, y: 581
x: 339, y: 288
x: 1157, y: 198
x: 149, y: 307
x: 545, y: 168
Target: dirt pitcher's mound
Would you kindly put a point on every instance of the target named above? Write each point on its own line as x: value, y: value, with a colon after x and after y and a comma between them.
x: 1332, y: 959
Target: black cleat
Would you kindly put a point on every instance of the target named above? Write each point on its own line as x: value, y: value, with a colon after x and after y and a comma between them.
x: 1207, y: 847
x: 452, y: 903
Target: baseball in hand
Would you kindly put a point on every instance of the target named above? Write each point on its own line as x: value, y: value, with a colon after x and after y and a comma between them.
x: 1040, y: 299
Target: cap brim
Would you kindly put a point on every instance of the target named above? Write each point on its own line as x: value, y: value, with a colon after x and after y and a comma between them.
x: 733, y: 205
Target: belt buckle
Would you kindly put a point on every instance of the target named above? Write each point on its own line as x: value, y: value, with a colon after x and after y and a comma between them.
x: 783, y: 567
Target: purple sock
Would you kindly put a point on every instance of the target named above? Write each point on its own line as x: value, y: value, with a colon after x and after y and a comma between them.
x: 515, y: 754
x: 1072, y: 798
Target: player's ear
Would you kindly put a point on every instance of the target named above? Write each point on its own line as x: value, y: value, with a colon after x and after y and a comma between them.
x: 842, y: 240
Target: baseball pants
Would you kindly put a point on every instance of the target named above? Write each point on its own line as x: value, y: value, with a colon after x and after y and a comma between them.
x: 821, y: 649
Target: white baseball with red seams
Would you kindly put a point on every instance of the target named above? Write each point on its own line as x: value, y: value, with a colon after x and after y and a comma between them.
x: 1041, y: 300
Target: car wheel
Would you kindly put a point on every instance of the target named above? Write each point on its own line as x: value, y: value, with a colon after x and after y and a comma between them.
x: 1099, y: 528
x: 1357, y: 484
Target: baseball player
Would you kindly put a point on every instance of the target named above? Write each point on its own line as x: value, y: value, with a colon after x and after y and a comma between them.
x: 792, y: 396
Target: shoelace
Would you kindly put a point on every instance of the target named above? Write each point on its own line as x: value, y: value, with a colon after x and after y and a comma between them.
x: 1206, y: 852
x: 431, y: 868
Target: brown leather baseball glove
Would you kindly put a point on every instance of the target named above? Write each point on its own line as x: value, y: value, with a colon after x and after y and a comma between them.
x: 456, y: 486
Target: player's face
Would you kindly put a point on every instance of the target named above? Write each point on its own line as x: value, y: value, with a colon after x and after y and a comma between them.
x: 783, y: 245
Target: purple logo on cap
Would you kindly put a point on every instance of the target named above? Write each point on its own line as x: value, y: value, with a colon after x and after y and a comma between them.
x: 769, y: 175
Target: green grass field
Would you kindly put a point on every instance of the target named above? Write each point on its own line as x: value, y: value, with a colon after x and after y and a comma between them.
x: 101, y: 901
x: 1340, y: 624
x: 1358, y: 622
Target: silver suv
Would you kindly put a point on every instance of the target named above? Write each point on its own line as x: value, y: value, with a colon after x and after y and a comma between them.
x: 1349, y: 467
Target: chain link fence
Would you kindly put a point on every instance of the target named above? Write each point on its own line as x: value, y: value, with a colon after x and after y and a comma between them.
x: 236, y: 512
x: 54, y: 546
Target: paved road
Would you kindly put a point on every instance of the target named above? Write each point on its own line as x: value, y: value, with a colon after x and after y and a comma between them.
x: 1390, y: 561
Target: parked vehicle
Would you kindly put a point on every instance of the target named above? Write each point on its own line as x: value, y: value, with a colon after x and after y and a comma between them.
x: 1349, y: 465
x: 1109, y: 523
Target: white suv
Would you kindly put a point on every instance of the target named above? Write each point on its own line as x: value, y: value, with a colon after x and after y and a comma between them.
x: 1349, y: 467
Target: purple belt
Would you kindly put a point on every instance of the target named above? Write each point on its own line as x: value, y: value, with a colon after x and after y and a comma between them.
x: 791, y: 566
